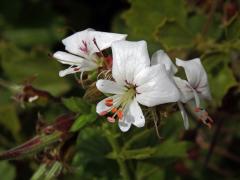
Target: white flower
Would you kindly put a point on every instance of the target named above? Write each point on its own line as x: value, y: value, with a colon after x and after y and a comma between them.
x: 82, y: 47
x: 136, y: 82
x: 160, y: 57
x: 196, y: 85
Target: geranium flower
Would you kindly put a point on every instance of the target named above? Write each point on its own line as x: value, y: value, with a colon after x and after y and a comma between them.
x: 82, y: 50
x: 160, y: 57
x: 136, y: 82
x: 195, y: 87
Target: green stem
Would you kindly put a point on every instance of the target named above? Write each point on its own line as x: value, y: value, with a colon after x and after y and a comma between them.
x: 39, y: 173
x: 54, y: 171
x: 12, y: 87
x: 117, y: 150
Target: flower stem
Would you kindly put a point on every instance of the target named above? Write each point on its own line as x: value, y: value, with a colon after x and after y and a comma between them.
x: 111, y: 137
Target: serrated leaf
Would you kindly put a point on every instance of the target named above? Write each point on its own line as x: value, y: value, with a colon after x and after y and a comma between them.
x: 143, y: 18
x: 174, y: 36
x: 196, y: 24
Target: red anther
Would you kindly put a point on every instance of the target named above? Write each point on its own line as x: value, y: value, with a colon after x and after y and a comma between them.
x: 103, y: 113
x: 120, y: 114
x: 111, y: 119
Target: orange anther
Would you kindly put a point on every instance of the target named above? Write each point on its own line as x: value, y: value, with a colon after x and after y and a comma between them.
x: 114, y: 110
x: 109, y: 102
x: 120, y: 114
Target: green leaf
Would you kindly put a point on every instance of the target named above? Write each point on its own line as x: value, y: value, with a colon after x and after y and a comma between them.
x: 7, y: 171
x: 9, y: 119
x: 142, y: 19
x: 141, y: 153
x: 19, y: 65
x: 174, y: 36
x: 168, y: 149
x: 146, y: 171
x: 232, y: 31
x: 172, y: 149
x: 34, y: 36
x: 77, y: 105
x: 83, y: 120
x: 198, y: 21
x: 220, y: 76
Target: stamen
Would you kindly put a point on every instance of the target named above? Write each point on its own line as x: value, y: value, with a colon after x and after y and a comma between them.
x: 95, y: 43
x: 120, y: 114
x: 85, y: 47
x: 109, y: 102
x: 114, y: 110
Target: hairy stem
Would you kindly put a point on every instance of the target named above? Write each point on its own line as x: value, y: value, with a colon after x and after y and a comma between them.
x: 156, y: 119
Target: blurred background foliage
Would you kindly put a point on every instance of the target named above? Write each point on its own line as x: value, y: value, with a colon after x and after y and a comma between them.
x: 31, y: 30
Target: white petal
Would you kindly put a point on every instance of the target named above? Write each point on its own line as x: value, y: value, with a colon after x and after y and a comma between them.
x: 133, y: 115
x: 129, y: 58
x: 156, y: 87
x: 74, y: 43
x: 101, y: 107
x: 66, y: 58
x: 107, y: 86
x: 69, y: 70
x: 160, y: 57
x: 104, y: 39
x: 196, y: 75
x: 124, y: 125
x: 184, y: 115
x: 136, y: 112
x: 185, y: 89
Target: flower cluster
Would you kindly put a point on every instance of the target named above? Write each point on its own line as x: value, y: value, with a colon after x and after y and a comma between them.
x: 136, y: 79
